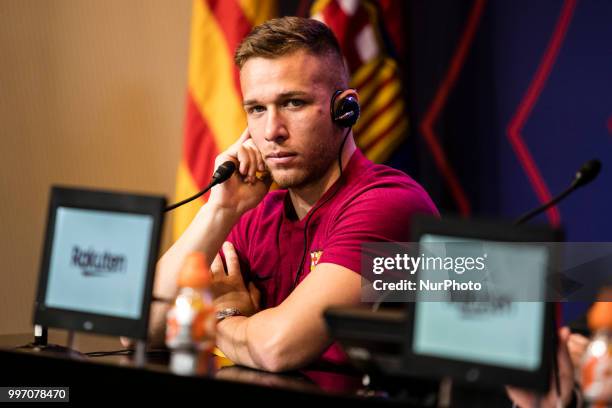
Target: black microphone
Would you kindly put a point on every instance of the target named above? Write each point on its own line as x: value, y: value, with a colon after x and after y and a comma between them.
x: 587, y: 173
x: 223, y: 173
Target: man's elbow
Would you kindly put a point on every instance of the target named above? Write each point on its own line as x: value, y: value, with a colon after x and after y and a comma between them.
x: 282, y: 351
x: 267, y: 352
x: 275, y: 360
x: 274, y: 364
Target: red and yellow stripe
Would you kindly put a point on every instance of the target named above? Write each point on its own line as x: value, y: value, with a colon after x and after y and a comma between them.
x: 383, y: 123
x: 214, y: 117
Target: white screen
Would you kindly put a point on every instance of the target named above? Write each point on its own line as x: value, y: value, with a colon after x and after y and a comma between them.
x: 99, y: 262
x: 483, y: 332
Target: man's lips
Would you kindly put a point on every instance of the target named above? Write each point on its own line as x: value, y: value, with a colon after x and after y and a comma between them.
x: 281, y: 157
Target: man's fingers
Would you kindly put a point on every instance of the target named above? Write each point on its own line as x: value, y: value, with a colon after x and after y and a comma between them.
x: 565, y: 366
x: 248, y: 157
x: 232, y: 152
x: 261, y: 166
x: 578, y: 340
x: 216, y: 268
x: 244, y: 136
x: 252, y: 163
x: 243, y: 159
x: 563, y: 352
x: 577, y: 345
x: 231, y: 259
x: 248, y: 162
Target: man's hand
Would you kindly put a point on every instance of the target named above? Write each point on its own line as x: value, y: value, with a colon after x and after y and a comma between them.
x: 228, y: 289
x: 243, y: 191
x: 577, y: 345
x: 525, y: 399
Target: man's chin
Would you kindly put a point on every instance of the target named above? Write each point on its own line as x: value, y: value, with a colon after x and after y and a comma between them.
x: 288, y: 178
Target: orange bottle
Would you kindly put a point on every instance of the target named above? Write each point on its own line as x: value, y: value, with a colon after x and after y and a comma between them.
x: 190, y: 323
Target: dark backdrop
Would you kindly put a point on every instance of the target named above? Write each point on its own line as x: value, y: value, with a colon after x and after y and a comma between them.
x: 525, y: 97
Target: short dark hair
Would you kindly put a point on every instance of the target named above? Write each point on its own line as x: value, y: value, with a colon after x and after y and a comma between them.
x: 282, y: 36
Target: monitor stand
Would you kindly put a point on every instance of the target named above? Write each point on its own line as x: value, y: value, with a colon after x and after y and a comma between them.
x: 56, y: 349
x: 40, y: 345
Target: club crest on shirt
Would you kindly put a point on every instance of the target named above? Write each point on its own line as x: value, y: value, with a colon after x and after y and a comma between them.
x: 314, y: 259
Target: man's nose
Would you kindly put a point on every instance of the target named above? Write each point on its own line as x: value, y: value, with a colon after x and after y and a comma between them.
x: 275, y: 127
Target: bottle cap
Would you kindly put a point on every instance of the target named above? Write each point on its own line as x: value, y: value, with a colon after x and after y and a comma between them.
x: 600, y: 315
x: 195, y: 272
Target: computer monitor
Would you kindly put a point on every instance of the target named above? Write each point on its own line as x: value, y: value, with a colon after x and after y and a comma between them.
x: 503, y: 337
x: 98, y: 261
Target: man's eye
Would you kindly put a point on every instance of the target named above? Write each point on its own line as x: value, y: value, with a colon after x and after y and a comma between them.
x: 256, y: 109
x: 295, y: 103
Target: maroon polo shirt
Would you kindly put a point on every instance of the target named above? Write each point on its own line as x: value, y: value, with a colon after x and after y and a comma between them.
x: 370, y: 203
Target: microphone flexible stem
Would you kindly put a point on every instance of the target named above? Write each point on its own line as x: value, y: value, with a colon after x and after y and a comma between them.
x: 533, y: 213
x: 193, y: 197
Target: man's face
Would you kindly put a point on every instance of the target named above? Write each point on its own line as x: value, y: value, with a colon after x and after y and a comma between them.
x: 287, y: 103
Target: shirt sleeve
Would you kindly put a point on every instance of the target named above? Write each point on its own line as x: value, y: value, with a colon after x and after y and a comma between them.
x: 379, y: 215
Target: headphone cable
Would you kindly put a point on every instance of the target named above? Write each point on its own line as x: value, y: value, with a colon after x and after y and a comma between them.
x: 338, y: 186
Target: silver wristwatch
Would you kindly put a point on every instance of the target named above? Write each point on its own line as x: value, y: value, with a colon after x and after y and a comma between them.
x: 228, y: 312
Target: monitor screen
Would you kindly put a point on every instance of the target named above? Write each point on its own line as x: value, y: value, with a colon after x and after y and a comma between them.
x: 484, y: 331
x: 98, y: 262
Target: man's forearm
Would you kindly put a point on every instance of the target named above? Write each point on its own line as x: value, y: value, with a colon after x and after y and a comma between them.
x: 206, y: 234
x: 232, y: 341
x: 247, y: 347
x: 266, y: 342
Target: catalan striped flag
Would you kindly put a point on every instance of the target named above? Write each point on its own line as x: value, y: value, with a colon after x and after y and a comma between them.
x: 214, y: 115
x: 374, y: 72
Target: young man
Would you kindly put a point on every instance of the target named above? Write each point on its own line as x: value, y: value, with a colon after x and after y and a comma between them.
x: 293, y: 252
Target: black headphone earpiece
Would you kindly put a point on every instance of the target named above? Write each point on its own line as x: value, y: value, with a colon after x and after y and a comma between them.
x: 347, y: 112
x: 344, y: 115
